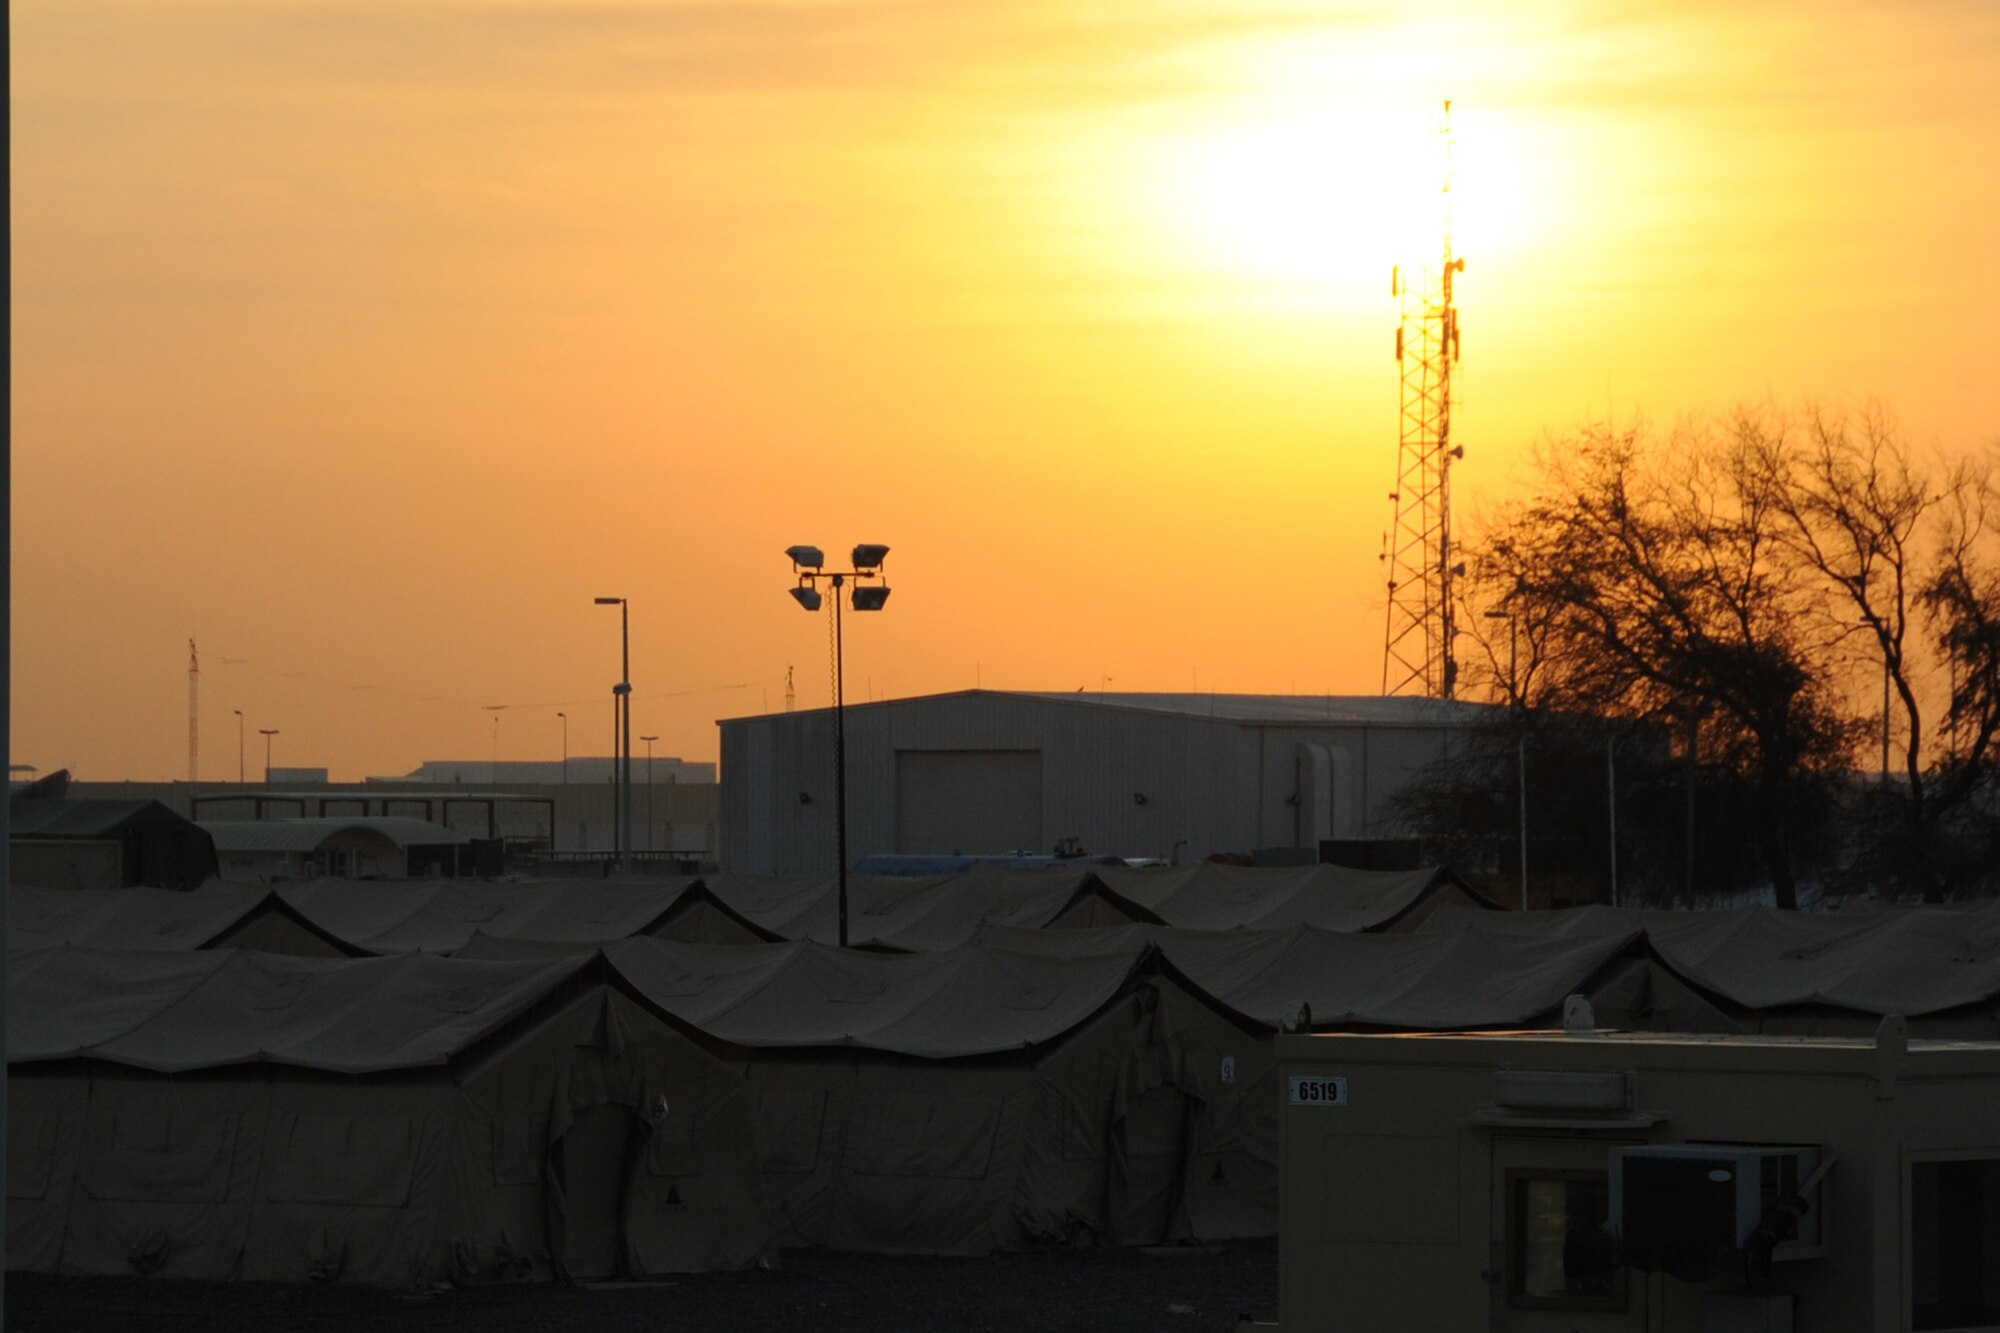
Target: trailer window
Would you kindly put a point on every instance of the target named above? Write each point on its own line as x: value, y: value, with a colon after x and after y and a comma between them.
x: 1955, y: 1244
x: 1558, y: 1256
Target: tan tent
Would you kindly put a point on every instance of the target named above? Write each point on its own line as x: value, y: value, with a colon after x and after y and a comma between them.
x: 390, y: 1121
x: 916, y: 913
x: 440, y: 916
x: 217, y: 913
x: 1213, y: 896
x: 1756, y: 969
x: 1437, y: 981
x: 1838, y: 974
x: 973, y: 1099
x: 802, y: 907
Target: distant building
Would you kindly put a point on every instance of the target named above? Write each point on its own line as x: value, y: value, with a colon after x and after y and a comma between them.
x: 62, y: 842
x: 671, y: 821
x: 334, y: 847
x: 667, y: 770
x: 1175, y: 776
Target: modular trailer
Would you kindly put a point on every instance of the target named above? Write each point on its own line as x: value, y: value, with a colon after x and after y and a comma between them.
x: 1466, y: 1181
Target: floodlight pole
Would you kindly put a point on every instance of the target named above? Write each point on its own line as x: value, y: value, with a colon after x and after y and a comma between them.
x: 840, y: 754
x: 624, y: 693
x: 621, y: 738
x: 1520, y: 737
x: 810, y: 575
x: 649, y: 790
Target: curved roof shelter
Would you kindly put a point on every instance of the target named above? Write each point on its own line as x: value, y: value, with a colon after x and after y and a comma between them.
x: 314, y: 835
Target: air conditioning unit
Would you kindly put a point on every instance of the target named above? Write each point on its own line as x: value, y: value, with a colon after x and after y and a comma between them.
x: 1690, y: 1209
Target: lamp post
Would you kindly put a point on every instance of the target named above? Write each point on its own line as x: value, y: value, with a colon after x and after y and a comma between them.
x: 1885, y: 718
x: 493, y: 769
x: 267, y: 733
x: 239, y: 745
x: 808, y: 564
x: 649, y: 790
x: 1694, y: 716
x: 1520, y: 738
x: 565, y: 750
x: 622, y: 739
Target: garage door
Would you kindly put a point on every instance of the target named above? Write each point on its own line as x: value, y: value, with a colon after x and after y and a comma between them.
x: 968, y: 801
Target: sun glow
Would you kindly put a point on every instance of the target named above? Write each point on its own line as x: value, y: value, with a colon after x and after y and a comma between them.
x: 1332, y: 192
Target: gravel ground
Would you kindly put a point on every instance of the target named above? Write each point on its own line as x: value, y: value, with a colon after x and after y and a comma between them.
x: 1182, y: 1290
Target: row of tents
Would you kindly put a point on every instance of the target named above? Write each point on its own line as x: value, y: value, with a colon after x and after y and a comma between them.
x: 336, y: 917
x: 575, y: 1092
x: 1750, y: 969
x: 648, y: 1107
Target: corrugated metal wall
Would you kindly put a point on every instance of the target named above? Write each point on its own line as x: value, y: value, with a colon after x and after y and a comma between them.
x: 1124, y: 781
x: 969, y: 801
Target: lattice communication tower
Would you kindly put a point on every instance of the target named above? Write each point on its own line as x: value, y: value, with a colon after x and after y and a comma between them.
x: 1417, y: 548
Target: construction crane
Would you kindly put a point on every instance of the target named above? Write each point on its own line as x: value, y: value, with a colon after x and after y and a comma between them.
x: 1418, y: 657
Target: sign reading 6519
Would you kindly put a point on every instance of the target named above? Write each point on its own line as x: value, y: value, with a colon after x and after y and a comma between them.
x: 1318, y: 1090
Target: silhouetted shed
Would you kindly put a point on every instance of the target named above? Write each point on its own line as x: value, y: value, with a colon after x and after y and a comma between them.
x: 58, y: 842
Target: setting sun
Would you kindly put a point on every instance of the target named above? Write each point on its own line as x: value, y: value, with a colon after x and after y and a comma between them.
x: 1331, y: 192
x: 367, y: 343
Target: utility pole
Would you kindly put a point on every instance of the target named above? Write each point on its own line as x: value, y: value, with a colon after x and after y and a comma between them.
x: 194, y: 714
x: 1418, y: 656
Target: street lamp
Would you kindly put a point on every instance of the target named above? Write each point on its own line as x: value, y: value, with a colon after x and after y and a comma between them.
x: 621, y: 711
x: 869, y: 594
x: 239, y: 745
x: 1885, y: 717
x: 493, y: 769
x: 649, y: 790
x: 1520, y: 739
x: 565, y: 766
x: 267, y: 733
x: 1692, y: 714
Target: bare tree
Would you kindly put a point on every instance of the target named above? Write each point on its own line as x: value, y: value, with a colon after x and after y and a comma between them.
x: 1902, y: 546
x: 1652, y: 582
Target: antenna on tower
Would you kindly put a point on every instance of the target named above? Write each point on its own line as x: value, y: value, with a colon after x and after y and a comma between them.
x: 194, y: 714
x: 1418, y: 656
x: 791, y: 697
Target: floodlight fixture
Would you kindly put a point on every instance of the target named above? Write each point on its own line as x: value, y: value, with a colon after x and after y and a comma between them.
x: 609, y: 601
x: 808, y: 563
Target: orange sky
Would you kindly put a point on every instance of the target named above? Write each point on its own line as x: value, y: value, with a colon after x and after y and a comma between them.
x: 367, y: 342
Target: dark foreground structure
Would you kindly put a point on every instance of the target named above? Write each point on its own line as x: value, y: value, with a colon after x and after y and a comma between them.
x: 1197, y: 1289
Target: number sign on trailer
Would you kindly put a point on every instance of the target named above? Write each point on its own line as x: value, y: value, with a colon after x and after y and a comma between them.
x: 1318, y: 1090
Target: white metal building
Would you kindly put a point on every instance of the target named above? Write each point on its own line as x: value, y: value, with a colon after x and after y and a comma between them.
x: 1178, y: 776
